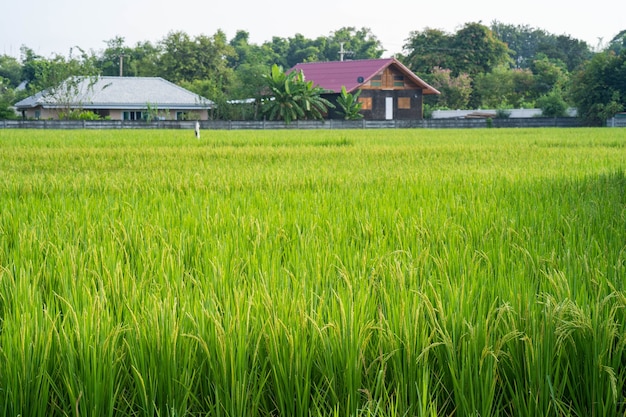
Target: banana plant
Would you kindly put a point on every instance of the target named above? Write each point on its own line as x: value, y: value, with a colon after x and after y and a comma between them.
x: 290, y: 97
x: 349, y: 104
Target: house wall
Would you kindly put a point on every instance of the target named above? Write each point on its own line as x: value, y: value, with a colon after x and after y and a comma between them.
x: 40, y: 113
x: 401, y: 98
x: 407, y: 96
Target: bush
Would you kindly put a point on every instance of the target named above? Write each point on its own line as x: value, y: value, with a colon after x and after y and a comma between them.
x: 552, y: 104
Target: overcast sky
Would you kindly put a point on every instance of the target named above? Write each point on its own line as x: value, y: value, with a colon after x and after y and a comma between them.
x: 55, y: 26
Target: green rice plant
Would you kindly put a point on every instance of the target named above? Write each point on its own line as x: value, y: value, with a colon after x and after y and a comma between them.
x: 232, y: 367
x: 27, y: 347
x: 161, y: 361
x: 90, y: 373
x: 383, y: 273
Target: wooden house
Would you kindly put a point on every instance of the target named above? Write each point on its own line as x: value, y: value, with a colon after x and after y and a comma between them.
x: 389, y: 90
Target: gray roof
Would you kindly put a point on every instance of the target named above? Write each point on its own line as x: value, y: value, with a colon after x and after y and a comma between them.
x: 117, y: 93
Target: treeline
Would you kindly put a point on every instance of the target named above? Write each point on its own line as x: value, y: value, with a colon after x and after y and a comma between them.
x: 501, y: 66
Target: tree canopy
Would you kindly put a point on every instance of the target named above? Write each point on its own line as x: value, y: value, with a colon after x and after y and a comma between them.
x: 476, y: 66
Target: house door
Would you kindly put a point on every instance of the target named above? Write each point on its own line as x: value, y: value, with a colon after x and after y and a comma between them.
x: 388, y: 108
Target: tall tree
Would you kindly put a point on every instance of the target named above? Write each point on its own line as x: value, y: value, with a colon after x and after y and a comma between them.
x: 477, y: 50
x: 548, y: 74
x: 429, y: 49
x: 41, y: 73
x: 522, y: 41
x: 455, y: 91
x: 7, y: 96
x: 572, y: 52
x: 10, y: 71
x: 504, y: 88
x: 599, y: 88
x: 618, y: 43
x: 361, y: 44
x: 138, y: 61
x: 526, y: 43
x: 188, y: 59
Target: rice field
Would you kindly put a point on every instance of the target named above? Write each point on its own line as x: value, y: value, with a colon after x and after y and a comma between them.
x: 313, y: 273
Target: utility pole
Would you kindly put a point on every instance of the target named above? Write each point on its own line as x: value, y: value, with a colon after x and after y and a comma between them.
x: 343, y: 52
x: 121, y: 65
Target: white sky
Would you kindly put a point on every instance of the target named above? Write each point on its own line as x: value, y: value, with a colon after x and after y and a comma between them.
x: 55, y: 26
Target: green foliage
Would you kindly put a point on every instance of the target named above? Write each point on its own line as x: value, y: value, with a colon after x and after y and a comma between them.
x: 503, y: 85
x: 363, y: 273
x: 427, y: 50
x: 7, y: 97
x: 598, y: 90
x: 199, y: 58
x: 476, y: 50
x: 552, y: 104
x: 291, y: 98
x: 10, y: 71
x: 503, y: 112
x: 455, y: 91
x: 287, y: 52
x: 618, y: 43
x: 78, y: 114
x: 349, y: 105
x: 526, y: 44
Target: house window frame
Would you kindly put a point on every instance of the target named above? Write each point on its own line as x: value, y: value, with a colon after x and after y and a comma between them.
x: 404, y: 103
x: 132, y: 115
x: 366, y: 103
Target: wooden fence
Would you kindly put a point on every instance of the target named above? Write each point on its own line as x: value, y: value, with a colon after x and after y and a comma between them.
x: 326, y: 124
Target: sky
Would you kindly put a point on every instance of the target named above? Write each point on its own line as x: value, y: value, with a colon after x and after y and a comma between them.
x: 51, y: 27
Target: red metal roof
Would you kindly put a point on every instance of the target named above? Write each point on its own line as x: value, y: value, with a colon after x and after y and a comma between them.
x: 352, y: 74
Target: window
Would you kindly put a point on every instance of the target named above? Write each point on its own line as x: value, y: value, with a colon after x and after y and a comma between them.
x: 398, y: 80
x: 132, y: 115
x: 377, y: 81
x: 366, y: 103
x: 404, y: 102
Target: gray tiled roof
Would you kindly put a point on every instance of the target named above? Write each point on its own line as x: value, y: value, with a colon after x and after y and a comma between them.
x: 120, y: 93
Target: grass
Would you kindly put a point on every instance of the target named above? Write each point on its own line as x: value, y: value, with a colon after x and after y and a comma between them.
x: 353, y: 273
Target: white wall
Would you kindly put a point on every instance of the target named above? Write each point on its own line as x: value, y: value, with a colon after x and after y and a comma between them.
x: 515, y: 113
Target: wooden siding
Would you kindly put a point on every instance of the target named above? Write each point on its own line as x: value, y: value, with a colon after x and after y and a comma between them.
x: 390, y: 79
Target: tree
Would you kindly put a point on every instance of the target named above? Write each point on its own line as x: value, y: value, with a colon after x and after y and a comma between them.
x: 290, y: 97
x: 599, y: 88
x: 523, y: 41
x: 361, y: 44
x: 552, y: 104
x: 7, y: 97
x: 427, y: 50
x: 526, y: 43
x: 455, y: 91
x: 477, y: 50
x: 504, y: 88
x: 548, y: 74
x: 10, y: 71
x: 188, y: 59
x: 618, y: 43
x: 572, y: 52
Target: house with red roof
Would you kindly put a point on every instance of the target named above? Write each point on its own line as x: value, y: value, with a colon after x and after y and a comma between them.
x: 389, y: 90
